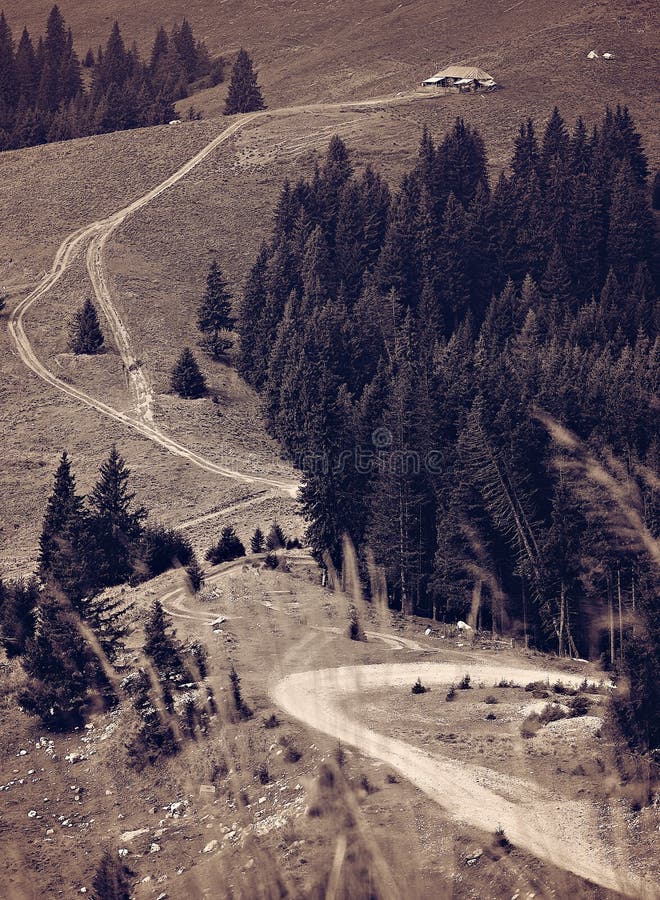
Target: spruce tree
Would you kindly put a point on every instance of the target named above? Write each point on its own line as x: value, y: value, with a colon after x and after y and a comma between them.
x: 214, y: 314
x: 228, y: 547
x: 187, y: 380
x: 116, y: 524
x: 86, y: 335
x: 161, y: 645
x: 61, y: 668
x: 244, y: 93
x: 257, y: 541
x: 63, y: 510
x: 18, y: 603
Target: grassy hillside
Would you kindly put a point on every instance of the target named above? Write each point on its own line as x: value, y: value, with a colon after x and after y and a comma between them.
x: 312, y: 51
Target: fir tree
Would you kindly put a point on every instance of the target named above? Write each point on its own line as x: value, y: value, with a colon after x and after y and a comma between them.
x: 161, y: 645
x: 275, y: 539
x: 86, y: 335
x: 258, y: 542
x: 214, y: 314
x: 229, y: 547
x: 61, y: 669
x: 195, y: 575
x: 64, y: 510
x: 18, y: 604
x: 244, y: 93
x: 187, y: 379
x: 116, y: 524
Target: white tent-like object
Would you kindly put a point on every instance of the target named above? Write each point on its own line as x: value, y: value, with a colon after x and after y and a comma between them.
x: 592, y: 55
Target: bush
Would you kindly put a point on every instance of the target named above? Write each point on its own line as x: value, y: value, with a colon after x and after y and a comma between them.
x: 505, y: 683
x: 560, y: 688
x: 464, y: 683
x: 229, y: 547
x: 195, y: 575
x: 276, y: 539
x: 501, y: 839
x: 490, y: 699
x: 262, y: 773
x: 451, y: 693
x: 162, y: 548
x: 271, y: 561
x: 579, y: 706
x: 272, y: 721
x: 241, y: 706
x: 355, y: 631
x: 418, y: 687
x: 491, y: 716
x: 551, y: 712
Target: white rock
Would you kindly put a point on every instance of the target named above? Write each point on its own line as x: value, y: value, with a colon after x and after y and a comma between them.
x: 128, y: 836
x: 32, y: 814
x: 427, y: 632
x: 155, y: 848
x: 210, y: 847
x: 22, y: 753
x: 463, y: 626
x: 50, y: 831
x: 122, y: 852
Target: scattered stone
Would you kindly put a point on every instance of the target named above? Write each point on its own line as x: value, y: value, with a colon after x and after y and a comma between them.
x: 122, y: 852
x: 210, y: 847
x: 427, y: 632
x: 128, y: 836
x: 50, y: 831
x: 155, y: 848
x: 32, y: 814
x: 472, y: 858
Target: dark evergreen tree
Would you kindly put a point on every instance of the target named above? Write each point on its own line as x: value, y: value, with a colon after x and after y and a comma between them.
x: 258, y: 541
x: 276, y: 538
x: 214, y: 315
x: 229, y: 547
x: 18, y: 604
x: 161, y: 645
x: 187, y: 379
x: 86, y: 335
x: 61, y: 669
x: 244, y: 93
x: 115, y: 522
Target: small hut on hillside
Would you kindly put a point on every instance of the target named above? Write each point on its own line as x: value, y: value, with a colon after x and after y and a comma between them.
x: 461, y: 78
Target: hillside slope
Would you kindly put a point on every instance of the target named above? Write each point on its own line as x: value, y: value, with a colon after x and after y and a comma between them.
x: 313, y: 51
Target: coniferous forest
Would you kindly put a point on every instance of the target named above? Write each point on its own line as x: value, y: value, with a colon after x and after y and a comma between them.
x: 464, y: 373
x: 47, y: 94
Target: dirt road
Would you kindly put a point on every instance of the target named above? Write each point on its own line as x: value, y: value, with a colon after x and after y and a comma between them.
x: 564, y: 833
x: 92, y: 240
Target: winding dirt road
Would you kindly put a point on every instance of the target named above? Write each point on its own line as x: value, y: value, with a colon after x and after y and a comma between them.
x: 470, y: 793
x: 563, y: 832
x: 94, y: 238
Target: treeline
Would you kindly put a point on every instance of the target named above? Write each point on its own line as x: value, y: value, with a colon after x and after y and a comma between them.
x: 44, y: 95
x: 67, y: 631
x: 414, y: 351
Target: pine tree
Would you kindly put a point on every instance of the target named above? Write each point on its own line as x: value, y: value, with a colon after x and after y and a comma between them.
x: 9, y: 88
x: 228, y: 547
x: 111, y: 880
x: 63, y: 510
x: 215, y: 314
x: 161, y: 645
x: 257, y: 541
x: 184, y: 41
x: 86, y: 335
x: 18, y: 604
x: 244, y: 93
x: 187, y: 379
x: 61, y: 669
x: 195, y: 575
x: 275, y: 539
x: 116, y: 524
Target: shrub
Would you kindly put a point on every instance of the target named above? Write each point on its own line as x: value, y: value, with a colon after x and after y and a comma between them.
x: 560, y: 688
x: 490, y: 699
x: 536, y: 686
x: 530, y: 725
x: 355, y: 631
x: 241, y: 706
x: 195, y: 575
x: 505, y: 683
x: 272, y: 721
x: 579, y: 706
x: 276, y: 539
x: 464, y: 683
x: 292, y: 754
x: 501, y: 839
x: 262, y: 773
x: 491, y: 716
x: 271, y: 561
x: 418, y: 687
x: 551, y: 712
x: 451, y: 693
x: 366, y: 785
x: 162, y: 548
x: 391, y: 778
